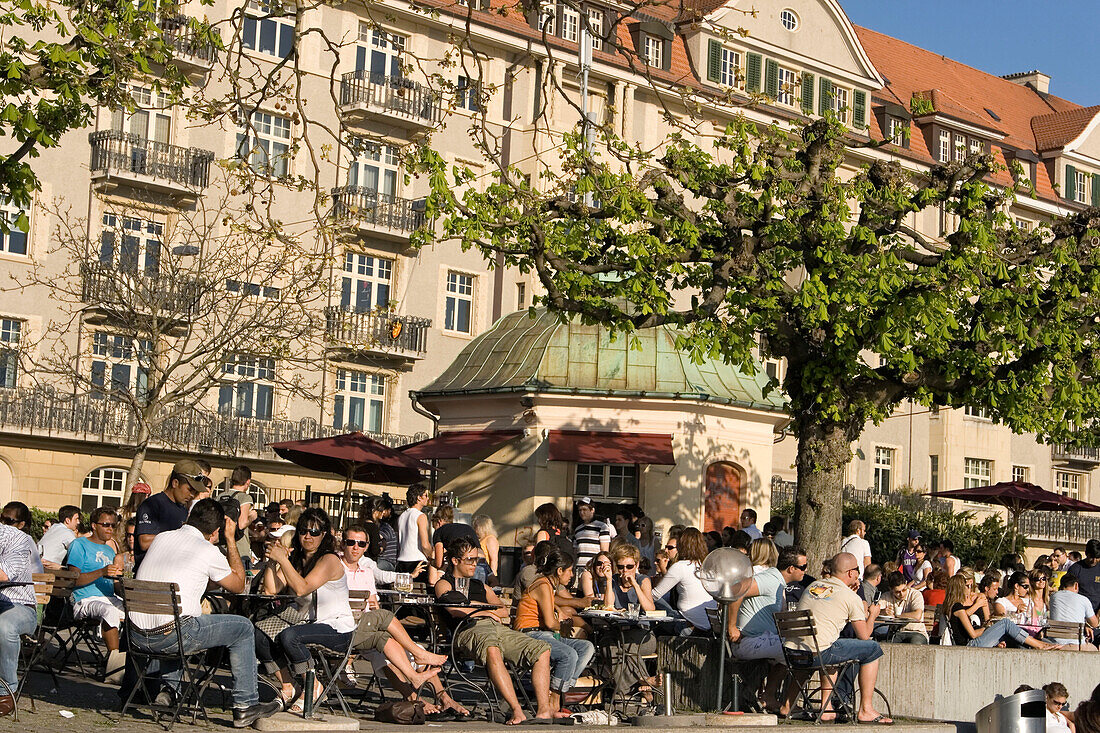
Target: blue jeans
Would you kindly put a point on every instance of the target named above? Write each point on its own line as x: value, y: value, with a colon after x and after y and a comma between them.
x: 293, y: 641
x: 16, y: 619
x: 863, y: 651
x: 568, y: 658
x: 995, y: 633
x: 210, y: 632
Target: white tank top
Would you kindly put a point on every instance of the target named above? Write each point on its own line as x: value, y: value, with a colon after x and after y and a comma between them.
x: 333, y: 608
x: 408, y: 536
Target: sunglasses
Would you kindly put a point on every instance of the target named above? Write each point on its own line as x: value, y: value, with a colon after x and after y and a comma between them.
x: 468, y: 560
x: 1026, y: 587
x: 204, y: 480
x: 110, y: 525
x: 355, y: 543
x: 626, y: 567
x: 670, y: 547
x: 10, y: 521
x: 803, y: 566
x: 129, y: 534
x: 313, y: 531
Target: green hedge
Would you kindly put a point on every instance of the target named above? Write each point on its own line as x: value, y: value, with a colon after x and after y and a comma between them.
x: 976, y: 543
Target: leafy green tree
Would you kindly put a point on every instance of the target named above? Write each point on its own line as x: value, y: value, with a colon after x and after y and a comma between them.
x: 774, y: 233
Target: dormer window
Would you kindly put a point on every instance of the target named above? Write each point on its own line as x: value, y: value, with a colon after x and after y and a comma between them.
x: 652, y: 51
x: 1080, y: 187
x: 897, y: 131
x: 652, y: 42
x: 1077, y: 186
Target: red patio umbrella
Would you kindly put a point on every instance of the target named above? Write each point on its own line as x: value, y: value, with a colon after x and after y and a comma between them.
x: 355, y: 457
x: 1018, y: 497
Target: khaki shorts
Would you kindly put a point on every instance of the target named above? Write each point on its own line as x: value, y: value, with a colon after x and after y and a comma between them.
x: 371, y: 632
x: 515, y: 646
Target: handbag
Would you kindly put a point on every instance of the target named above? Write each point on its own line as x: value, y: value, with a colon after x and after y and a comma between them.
x: 282, y: 614
x: 400, y: 712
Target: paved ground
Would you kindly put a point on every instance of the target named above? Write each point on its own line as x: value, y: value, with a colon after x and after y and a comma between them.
x: 95, y: 708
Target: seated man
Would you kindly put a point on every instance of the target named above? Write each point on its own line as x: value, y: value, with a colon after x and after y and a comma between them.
x: 94, y: 591
x: 834, y: 603
x: 900, y: 601
x: 1068, y: 605
x: 189, y: 557
x: 489, y: 640
x: 18, y: 561
x: 56, y: 540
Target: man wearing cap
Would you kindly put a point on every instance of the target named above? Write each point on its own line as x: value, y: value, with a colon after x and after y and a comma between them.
x: 239, y: 483
x: 592, y: 535
x: 907, y: 556
x: 167, y: 510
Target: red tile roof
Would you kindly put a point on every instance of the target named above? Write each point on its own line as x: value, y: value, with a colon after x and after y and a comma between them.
x: 1055, y: 130
x: 942, y: 103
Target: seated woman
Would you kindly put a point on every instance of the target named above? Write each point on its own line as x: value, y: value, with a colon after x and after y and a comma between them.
x: 1039, y: 600
x: 312, y: 566
x: 595, y: 576
x: 963, y: 632
x: 692, y: 598
x: 1017, y: 596
x: 621, y: 589
x: 537, y: 616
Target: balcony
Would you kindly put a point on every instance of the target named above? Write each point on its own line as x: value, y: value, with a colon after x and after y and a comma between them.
x: 378, y: 214
x: 1060, y: 527
x: 1089, y: 455
x: 44, y: 412
x: 126, y: 294
x: 122, y: 159
x: 377, y: 332
x: 192, y: 54
x: 391, y: 107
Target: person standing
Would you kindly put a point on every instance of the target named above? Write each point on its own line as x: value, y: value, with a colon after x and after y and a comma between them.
x: 950, y: 563
x: 748, y: 524
x: 94, y: 591
x: 1087, y: 573
x: 240, y: 481
x: 414, y: 547
x: 907, y: 556
x: 591, y: 536
x: 167, y: 511
x: 19, y: 560
x: 855, y: 544
x: 54, y: 544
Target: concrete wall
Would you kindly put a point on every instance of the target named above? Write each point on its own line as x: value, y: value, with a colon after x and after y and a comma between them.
x: 953, y: 683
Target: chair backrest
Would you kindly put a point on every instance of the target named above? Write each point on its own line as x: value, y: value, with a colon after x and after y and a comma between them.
x: 798, y: 627
x: 1066, y: 630
x: 929, y: 617
x: 358, y: 600
x: 149, y: 596
x: 43, y: 587
x: 64, y: 582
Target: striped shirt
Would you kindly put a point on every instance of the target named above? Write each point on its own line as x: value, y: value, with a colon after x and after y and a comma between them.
x: 587, y: 539
x: 19, y: 560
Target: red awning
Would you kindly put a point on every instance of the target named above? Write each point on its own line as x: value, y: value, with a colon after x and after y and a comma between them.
x: 585, y: 446
x: 458, y: 443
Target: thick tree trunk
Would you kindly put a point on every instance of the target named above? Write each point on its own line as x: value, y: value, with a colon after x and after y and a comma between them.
x: 824, y: 450
x: 133, y: 475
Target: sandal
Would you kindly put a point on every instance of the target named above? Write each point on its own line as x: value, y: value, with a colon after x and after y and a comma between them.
x: 295, y: 693
x: 299, y: 705
x: 879, y: 719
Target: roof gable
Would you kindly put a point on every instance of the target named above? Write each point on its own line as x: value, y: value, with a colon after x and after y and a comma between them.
x: 1061, y: 129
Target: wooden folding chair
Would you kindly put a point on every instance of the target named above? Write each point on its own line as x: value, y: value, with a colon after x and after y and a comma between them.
x: 1066, y: 630
x: 196, y: 670
x: 34, y: 647
x: 330, y: 663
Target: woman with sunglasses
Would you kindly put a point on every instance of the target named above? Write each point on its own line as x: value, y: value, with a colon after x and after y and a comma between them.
x: 963, y: 632
x: 1057, y: 701
x: 1017, y: 596
x: 692, y: 600
x: 1038, y: 599
x: 312, y: 567
x: 624, y: 588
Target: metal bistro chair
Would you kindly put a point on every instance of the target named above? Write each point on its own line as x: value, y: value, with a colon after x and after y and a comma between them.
x: 32, y: 646
x: 1066, y: 630
x: 745, y: 678
x: 804, y: 661
x: 329, y: 664
x: 196, y: 668
x: 80, y: 632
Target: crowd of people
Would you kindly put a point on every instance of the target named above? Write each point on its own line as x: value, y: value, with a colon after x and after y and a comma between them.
x: 538, y: 622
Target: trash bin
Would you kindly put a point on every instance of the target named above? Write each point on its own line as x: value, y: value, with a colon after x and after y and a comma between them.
x: 1024, y: 712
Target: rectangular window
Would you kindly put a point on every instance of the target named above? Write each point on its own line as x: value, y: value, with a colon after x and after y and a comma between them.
x: 976, y: 146
x: 978, y: 413
x: 1024, y: 225
x: 120, y: 365
x: 945, y: 146
x: 263, y: 142
x: 1079, y: 190
x: 1021, y: 474
x: 896, y: 130
x: 521, y: 296
x: 459, y: 303
x: 129, y: 244
x: 151, y: 119
x: 884, y: 467
x: 468, y: 94
x: 373, y: 166
x: 366, y: 282
x: 730, y: 68
x: 13, y: 241
x: 247, y: 388
x: 10, y: 333
x: 787, y: 82
x: 1068, y: 484
x: 612, y: 481
x: 360, y: 401
x: 653, y: 51
x: 255, y: 290
x: 977, y: 472
x: 547, y: 11
x: 840, y: 103
x: 570, y: 23
x: 267, y: 28
x: 960, y: 147
x: 380, y: 53
x: 933, y: 473
x: 595, y: 28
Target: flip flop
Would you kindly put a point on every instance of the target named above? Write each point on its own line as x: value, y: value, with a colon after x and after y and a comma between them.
x: 537, y: 721
x: 880, y: 719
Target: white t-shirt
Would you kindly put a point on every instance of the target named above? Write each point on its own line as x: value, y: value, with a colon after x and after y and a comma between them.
x: 408, y: 536
x: 952, y: 565
x: 182, y: 556
x: 693, y: 597
x: 1056, y: 722
x: 54, y: 544
x: 1072, y: 607
x: 367, y: 575
x: 857, y: 546
x: 922, y: 572
x: 1006, y: 607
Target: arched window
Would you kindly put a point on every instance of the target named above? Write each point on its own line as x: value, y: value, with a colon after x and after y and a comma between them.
x: 722, y: 496
x: 256, y: 490
x: 103, y: 487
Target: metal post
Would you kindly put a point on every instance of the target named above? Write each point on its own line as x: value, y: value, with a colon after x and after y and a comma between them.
x: 307, y: 694
x: 668, y: 694
x: 722, y: 651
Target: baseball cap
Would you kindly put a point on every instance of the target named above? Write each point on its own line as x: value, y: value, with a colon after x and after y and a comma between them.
x: 914, y: 534
x: 141, y: 488
x: 584, y: 500
x: 190, y: 470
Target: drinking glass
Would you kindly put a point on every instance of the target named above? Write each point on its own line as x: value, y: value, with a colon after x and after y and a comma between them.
x: 632, y: 610
x: 462, y: 585
x: 403, y: 583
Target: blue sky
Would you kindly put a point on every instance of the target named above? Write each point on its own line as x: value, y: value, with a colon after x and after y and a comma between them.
x: 1001, y: 37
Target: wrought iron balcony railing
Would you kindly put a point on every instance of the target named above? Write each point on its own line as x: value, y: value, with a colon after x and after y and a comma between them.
x: 1084, y: 454
x: 391, y: 95
x: 116, y: 152
x: 368, y: 207
x: 377, y: 330
x: 185, y: 41
x: 138, y: 291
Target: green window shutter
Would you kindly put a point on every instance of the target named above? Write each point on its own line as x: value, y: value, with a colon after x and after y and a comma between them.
x: 807, y: 92
x: 1071, y: 183
x: 1096, y: 189
x: 753, y: 70
x: 859, y: 109
x: 825, y: 97
x: 714, y: 61
x: 771, y: 78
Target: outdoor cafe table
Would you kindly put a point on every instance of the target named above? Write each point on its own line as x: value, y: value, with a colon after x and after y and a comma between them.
x: 894, y: 624
x: 619, y: 624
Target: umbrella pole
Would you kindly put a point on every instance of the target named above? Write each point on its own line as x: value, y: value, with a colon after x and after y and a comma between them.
x: 346, y: 499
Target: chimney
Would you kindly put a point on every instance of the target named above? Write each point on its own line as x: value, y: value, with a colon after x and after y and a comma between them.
x: 1037, y: 80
